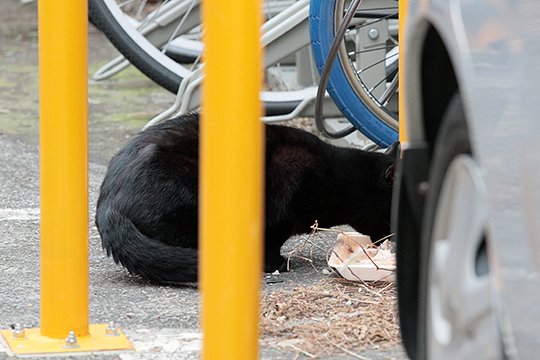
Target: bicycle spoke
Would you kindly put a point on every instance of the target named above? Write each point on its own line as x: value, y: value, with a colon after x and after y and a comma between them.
x: 373, y: 14
x: 196, y: 62
x: 122, y: 4
x: 376, y: 63
x: 153, y: 15
x: 352, y: 53
x: 179, y: 26
x: 380, y: 82
x: 375, y: 21
x: 390, y: 90
x: 140, y: 10
x: 376, y: 9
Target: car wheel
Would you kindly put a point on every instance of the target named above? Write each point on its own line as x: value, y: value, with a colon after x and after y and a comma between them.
x: 456, y: 316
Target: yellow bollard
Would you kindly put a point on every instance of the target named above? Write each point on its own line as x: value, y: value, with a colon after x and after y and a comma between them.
x: 64, y: 191
x: 402, y: 115
x: 63, y: 167
x: 231, y: 180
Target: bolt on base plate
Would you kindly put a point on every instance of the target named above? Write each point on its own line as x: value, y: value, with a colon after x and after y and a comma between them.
x: 98, y: 340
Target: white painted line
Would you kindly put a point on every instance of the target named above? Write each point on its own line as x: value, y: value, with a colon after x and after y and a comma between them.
x: 19, y: 214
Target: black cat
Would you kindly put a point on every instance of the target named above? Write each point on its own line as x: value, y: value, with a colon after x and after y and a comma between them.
x: 147, y: 208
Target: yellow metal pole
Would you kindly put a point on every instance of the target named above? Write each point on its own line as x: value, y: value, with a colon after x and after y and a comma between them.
x: 63, y: 92
x: 63, y: 167
x: 232, y: 156
x: 402, y: 115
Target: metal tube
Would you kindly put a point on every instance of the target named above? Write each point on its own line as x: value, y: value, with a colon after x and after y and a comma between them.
x: 63, y: 167
x: 402, y: 110
x: 231, y: 180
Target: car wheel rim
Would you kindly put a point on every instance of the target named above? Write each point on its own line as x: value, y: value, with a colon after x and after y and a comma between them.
x: 459, y: 311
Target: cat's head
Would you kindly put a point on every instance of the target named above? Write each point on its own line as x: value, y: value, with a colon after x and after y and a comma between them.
x: 389, y: 168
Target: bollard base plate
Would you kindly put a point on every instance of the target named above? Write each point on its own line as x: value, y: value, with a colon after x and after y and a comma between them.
x: 35, y: 343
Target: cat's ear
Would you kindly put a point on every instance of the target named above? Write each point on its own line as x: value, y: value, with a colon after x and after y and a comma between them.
x: 393, y: 150
x: 389, y: 173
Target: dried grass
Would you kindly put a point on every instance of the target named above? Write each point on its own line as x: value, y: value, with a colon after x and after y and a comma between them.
x: 335, y: 314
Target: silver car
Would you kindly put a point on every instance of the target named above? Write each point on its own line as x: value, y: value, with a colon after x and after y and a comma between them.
x: 467, y: 200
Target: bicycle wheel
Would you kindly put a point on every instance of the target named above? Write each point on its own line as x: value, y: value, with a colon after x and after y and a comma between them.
x: 154, y: 40
x: 145, y: 55
x: 363, y: 80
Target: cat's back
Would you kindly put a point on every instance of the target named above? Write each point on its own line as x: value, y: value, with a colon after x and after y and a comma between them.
x: 180, y: 134
x: 279, y: 135
x: 162, y: 142
x: 296, y: 151
x: 159, y: 154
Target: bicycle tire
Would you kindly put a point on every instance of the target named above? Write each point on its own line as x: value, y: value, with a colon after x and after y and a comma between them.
x: 156, y: 65
x: 150, y: 61
x: 340, y: 86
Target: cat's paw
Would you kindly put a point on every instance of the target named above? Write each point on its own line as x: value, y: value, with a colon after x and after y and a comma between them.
x: 277, y: 263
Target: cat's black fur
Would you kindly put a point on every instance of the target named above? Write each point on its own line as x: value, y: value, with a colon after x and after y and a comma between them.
x: 147, y: 208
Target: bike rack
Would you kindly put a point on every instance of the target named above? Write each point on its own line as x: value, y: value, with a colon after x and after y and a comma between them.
x: 284, y: 35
